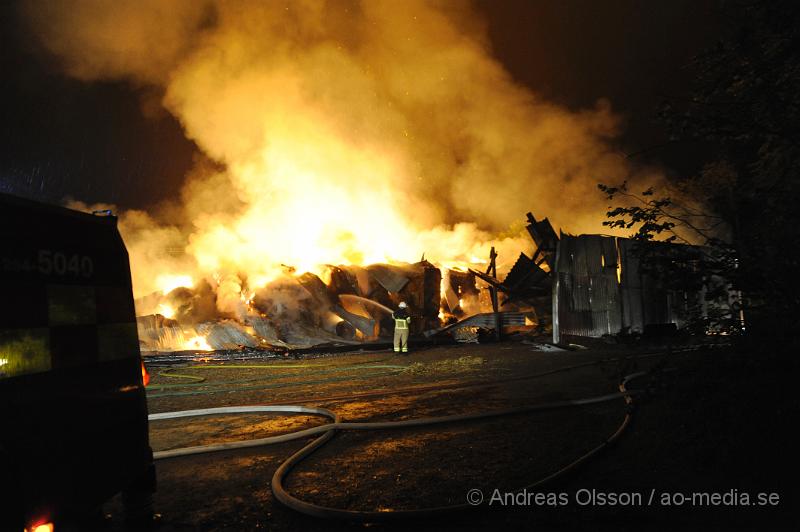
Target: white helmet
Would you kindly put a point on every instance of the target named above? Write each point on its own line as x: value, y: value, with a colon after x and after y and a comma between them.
x: 402, y: 305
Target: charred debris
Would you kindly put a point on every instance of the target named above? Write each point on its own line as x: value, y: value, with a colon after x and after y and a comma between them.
x: 585, y: 285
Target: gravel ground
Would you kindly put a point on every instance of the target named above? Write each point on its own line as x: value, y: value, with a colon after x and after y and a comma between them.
x: 681, y: 440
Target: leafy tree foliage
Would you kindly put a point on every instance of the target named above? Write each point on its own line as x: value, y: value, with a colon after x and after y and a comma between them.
x: 744, y: 206
x: 678, y: 248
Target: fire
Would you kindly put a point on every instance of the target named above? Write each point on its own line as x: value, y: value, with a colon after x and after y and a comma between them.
x: 43, y: 527
x: 337, y: 136
x: 145, y: 375
x: 196, y: 343
x: 313, y: 199
x: 166, y: 283
x: 166, y: 311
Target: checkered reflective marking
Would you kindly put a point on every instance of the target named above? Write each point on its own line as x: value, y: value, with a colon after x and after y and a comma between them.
x: 44, y: 327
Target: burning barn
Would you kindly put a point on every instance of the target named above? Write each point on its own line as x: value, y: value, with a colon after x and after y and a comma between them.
x: 349, y: 304
x: 585, y: 285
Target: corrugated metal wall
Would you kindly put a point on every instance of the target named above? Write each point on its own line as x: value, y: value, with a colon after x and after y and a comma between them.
x: 587, y: 299
x: 599, y: 289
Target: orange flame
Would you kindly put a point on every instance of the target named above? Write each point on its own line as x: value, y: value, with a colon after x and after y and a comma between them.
x: 145, y: 375
x: 197, y: 343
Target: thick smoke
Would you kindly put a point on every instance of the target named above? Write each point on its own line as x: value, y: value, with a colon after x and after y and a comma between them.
x: 348, y: 132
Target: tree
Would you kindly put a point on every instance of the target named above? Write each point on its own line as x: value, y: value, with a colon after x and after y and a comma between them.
x: 681, y: 250
x: 746, y: 103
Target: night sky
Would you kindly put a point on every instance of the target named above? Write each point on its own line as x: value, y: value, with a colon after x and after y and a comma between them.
x: 93, y: 142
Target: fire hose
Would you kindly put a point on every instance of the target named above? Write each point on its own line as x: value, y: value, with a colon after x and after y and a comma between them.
x: 327, y: 431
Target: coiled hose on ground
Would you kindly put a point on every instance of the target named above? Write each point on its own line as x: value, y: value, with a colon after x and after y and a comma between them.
x: 327, y: 431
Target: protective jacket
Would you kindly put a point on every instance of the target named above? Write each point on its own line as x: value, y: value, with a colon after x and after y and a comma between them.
x: 402, y: 318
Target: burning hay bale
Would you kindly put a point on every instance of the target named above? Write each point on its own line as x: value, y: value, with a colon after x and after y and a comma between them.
x: 289, y: 312
x: 327, y: 301
x: 287, y: 299
x: 304, y: 312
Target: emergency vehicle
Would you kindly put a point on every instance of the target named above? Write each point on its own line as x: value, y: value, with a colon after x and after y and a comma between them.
x: 73, y: 412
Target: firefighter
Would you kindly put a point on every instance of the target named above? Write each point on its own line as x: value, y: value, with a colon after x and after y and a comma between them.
x: 402, y: 319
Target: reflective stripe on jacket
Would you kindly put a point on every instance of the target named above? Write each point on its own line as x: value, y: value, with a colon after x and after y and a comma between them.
x: 401, y: 319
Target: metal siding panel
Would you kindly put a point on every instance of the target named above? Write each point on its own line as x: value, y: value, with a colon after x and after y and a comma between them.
x: 644, y: 301
x: 586, y: 295
x: 606, y: 314
x: 610, y: 253
x: 593, y: 246
x: 630, y: 286
x: 633, y: 308
x: 557, y: 302
x: 555, y: 310
x: 630, y: 265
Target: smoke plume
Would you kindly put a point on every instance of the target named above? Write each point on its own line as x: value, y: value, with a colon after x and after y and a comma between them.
x: 341, y: 131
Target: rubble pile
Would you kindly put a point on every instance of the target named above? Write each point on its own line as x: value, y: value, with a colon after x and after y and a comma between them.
x: 586, y: 285
x: 353, y: 306
x: 350, y: 304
